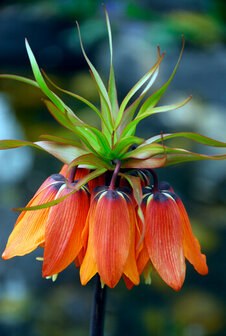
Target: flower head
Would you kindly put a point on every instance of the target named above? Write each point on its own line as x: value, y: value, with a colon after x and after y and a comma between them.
x: 95, y: 212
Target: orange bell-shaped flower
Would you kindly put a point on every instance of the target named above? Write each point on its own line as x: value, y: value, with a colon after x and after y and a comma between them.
x: 169, y: 238
x: 111, y: 238
x: 63, y: 231
x: 29, y: 230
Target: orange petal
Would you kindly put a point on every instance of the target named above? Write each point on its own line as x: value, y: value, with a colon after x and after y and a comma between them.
x: 29, y: 230
x: 88, y: 267
x: 110, y: 231
x: 98, y: 181
x: 130, y: 269
x: 163, y: 238
x: 63, y: 170
x: 142, y: 259
x: 191, y: 245
x: 64, y: 228
x: 141, y: 262
x: 128, y: 282
x: 51, y: 180
x: 80, y: 173
x: 80, y: 257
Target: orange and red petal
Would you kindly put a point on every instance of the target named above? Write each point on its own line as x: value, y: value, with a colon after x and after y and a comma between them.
x: 51, y: 180
x: 110, y: 232
x: 88, y: 267
x: 130, y: 269
x: 63, y: 170
x: 29, y: 230
x: 98, y: 181
x: 80, y: 172
x: 164, y: 239
x: 63, y: 232
x: 191, y: 245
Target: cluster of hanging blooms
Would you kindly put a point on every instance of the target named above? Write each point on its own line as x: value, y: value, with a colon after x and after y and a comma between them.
x: 106, y: 211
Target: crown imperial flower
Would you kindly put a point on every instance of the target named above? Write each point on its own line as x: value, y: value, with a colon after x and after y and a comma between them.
x: 101, y: 211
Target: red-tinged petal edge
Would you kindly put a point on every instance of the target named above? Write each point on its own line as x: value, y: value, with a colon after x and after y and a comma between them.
x: 130, y: 269
x: 29, y: 230
x: 191, y: 245
x: 64, y: 228
x: 164, y: 240
x: 88, y: 267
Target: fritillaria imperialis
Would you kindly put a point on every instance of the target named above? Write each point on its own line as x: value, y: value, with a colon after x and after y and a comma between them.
x: 106, y: 211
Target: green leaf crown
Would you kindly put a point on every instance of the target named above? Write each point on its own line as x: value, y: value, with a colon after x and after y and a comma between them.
x: 97, y: 149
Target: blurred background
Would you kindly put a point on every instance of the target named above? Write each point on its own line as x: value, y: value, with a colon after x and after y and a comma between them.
x: 30, y: 305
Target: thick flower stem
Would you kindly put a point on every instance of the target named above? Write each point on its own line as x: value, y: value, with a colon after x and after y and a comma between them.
x: 155, y: 180
x: 115, y: 174
x: 72, y: 174
x: 98, y: 310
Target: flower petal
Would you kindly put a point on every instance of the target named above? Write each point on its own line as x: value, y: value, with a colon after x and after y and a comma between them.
x: 88, y: 267
x: 110, y: 231
x: 191, y: 245
x: 130, y: 269
x: 64, y: 228
x: 29, y: 230
x: 163, y: 238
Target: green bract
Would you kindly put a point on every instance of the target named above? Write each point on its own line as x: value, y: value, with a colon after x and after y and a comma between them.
x: 100, y: 150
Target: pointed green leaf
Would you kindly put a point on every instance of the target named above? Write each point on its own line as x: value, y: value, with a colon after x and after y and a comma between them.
x: 140, y: 83
x: 58, y: 115
x: 40, y: 80
x: 97, y: 77
x: 154, y: 99
x: 135, y: 183
x: 90, y: 136
x: 180, y: 157
x: 145, y: 164
x: 62, y: 152
x: 21, y: 79
x: 131, y: 127
x: 189, y: 135
x: 145, y: 151
x: 87, y: 139
x: 161, y: 109
x: 91, y: 160
x: 61, y: 140
x: 131, y: 110
x: 106, y: 122
x: 9, y: 144
x: 112, y: 92
x: 124, y: 144
x: 78, y: 185
x: 85, y: 101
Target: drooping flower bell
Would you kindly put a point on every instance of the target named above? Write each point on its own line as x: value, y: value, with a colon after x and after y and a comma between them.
x: 58, y: 229
x: 110, y: 232
x: 168, y: 236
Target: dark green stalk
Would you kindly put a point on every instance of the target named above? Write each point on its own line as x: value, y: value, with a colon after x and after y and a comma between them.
x: 98, y: 309
x: 155, y: 180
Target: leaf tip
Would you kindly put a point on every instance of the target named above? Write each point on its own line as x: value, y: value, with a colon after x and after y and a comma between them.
x: 103, y: 5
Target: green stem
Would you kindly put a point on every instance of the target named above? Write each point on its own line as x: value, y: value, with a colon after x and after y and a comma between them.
x: 98, y: 310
